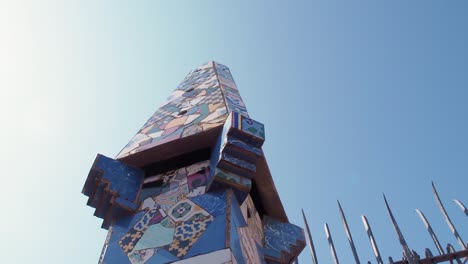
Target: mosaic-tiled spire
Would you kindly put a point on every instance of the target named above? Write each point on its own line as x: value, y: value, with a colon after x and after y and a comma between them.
x: 201, y: 102
x: 193, y: 185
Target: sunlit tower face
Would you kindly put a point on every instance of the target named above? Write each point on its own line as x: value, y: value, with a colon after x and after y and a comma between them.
x: 193, y: 185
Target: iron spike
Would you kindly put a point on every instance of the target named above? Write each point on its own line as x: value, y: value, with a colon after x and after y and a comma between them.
x: 428, y: 253
x: 330, y: 242
x: 348, y: 234
x: 431, y: 232
x: 447, y: 218
x: 406, y: 250
x: 451, y: 249
x: 372, y: 239
x: 311, y: 242
x: 462, y: 206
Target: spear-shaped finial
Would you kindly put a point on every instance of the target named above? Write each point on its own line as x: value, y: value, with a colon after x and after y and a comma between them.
x: 462, y: 206
x: 348, y: 233
x: 372, y: 239
x: 330, y: 242
x: 311, y: 242
x: 406, y: 250
x: 431, y: 232
x: 447, y: 218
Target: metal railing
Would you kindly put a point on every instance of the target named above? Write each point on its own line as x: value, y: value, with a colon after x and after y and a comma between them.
x: 409, y: 256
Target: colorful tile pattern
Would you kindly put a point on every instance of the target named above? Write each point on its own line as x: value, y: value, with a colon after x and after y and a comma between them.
x: 212, y: 238
x: 191, y: 214
x: 155, y: 236
x: 141, y: 256
x: 168, y: 199
x: 234, y: 158
x: 231, y: 93
x: 170, y: 219
x: 187, y: 233
x: 186, y: 210
x: 198, y: 179
x: 197, y: 104
x: 233, y: 180
x: 129, y: 240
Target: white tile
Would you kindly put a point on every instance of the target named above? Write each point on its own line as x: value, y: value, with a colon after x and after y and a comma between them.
x: 217, y: 257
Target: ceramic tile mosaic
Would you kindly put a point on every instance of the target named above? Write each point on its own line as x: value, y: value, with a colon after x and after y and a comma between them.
x: 198, y: 179
x: 246, y: 129
x: 151, y: 217
x: 201, y: 213
x: 229, y: 88
x: 114, y: 254
x: 197, y: 101
x: 213, y: 203
x: 148, y: 204
x: 168, y: 212
x: 197, y: 191
x: 129, y: 240
x: 186, y: 234
x: 199, y: 166
x: 141, y: 256
x: 241, y: 163
x: 111, y: 179
x: 253, y: 128
x: 211, y: 239
x: 234, y: 159
x: 186, y: 210
x: 122, y: 225
x: 280, y: 238
x: 148, y: 192
x: 232, y: 179
x: 156, y: 235
x: 168, y: 199
x: 162, y: 256
x: 244, y: 146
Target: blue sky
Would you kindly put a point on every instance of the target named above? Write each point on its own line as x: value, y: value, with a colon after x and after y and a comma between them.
x: 358, y: 98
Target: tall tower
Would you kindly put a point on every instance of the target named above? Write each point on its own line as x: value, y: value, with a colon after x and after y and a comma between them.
x: 193, y: 185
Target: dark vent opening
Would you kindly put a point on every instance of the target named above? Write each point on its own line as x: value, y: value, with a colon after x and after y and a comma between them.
x: 152, y: 184
x: 256, y: 200
x: 177, y: 162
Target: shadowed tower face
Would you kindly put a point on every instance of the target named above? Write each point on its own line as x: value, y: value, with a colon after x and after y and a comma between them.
x: 193, y: 185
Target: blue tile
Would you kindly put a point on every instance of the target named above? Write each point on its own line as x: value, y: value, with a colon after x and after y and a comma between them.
x: 114, y: 254
x: 161, y: 257
x: 124, y: 179
x: 213, y: 203
x: 237, y: 220
x: 214, y: 238
x: 236, y: 214
x: 149, y: 192
x: 123, y: 224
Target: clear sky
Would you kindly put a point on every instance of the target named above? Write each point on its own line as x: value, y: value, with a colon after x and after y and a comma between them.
x: 358, y: 98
